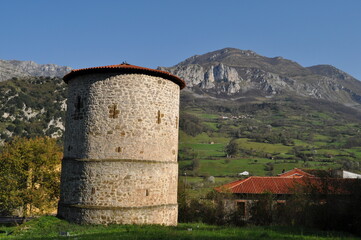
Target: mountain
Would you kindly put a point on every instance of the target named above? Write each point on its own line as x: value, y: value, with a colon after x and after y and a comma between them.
x: 232, y: 73
x: 14, y: 68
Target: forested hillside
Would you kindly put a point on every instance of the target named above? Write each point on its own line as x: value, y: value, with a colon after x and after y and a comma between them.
x: 32, y: 106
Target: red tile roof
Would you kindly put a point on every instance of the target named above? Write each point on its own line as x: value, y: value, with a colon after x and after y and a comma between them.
x: 259, y: 185
x: 124, y: 69
x: 288, y: 185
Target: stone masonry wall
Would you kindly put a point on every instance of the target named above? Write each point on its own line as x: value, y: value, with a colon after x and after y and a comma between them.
x: 163, y: 215
x: 120, y: 150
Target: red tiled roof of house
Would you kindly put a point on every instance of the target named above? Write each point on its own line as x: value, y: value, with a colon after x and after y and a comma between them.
x: 296, y: 172
x: 259, y: 185
x: 124, y: 69
x: 288, y: 185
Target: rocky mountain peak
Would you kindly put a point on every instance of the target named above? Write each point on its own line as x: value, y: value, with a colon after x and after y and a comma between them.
x: 15, y: 68
x: 329, y: 71
x: 218, y: 56
x: 231, y: 72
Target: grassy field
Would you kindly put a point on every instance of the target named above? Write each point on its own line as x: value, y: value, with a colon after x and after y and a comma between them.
x: 212, y: 157
x: 51, y: 228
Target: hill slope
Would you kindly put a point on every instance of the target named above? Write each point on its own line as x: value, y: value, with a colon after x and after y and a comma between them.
x: 32, y: 106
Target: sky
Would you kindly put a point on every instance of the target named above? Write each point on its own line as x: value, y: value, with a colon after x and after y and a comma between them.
x: 154, y: 33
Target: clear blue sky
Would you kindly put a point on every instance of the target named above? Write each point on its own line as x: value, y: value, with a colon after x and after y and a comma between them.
x: 151, y: 33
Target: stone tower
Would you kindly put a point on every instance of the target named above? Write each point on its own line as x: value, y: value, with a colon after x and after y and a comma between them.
x: 120, y: 148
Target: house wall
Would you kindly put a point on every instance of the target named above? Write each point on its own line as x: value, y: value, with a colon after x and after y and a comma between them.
x: 346, y: 174
x: 245, y: 203
x: 233, y: 205
x: 120, y: 150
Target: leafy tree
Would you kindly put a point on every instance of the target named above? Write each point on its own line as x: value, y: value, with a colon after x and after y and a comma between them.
x: 263, y: 210
x: 232, y: 148
x: 191, y: 124
x: 195, y: 164
x: 29, y: 175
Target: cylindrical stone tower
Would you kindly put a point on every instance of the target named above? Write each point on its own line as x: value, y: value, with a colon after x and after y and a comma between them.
x: 120, y: 148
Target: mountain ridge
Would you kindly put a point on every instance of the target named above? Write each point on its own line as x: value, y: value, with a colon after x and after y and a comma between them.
x: 232, y: 72
x: 15, y: 68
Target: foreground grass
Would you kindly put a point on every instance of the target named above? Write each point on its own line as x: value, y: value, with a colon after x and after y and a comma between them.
x: 52, y: 228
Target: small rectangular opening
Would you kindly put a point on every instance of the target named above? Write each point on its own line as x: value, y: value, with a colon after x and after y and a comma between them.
x: 241, y: 208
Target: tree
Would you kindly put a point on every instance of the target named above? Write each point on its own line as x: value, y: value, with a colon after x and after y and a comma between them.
x: 262, y: 211
x: 29, y: 175
x: 232, y: 148
x: 191, y: 124
x: 195, y: 165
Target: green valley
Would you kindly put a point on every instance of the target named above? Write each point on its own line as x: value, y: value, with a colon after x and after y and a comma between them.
x: 270, y: 135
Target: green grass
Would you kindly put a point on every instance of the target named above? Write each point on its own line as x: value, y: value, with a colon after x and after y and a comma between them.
x: 203, y: 145
x: 278, y: 167
x: 233, y: 166
x: 246, y: 143
x: 183, y: 164
x: 218, y: 180
x: 320, y: 144
x: 320, y: 137
x: 49, y: 228
x: 211, y: 125
x: 201, y: 138
x: 300, y: 142
x: 255, y: 166
x: 237, y: 165
x: 330, y: 151
x: 207, y: 150
x: 202, y: 114
x: 356, y: 151
x: 208, y: 116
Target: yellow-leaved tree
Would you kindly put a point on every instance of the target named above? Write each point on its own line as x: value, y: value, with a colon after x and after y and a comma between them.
x: 29, y: 176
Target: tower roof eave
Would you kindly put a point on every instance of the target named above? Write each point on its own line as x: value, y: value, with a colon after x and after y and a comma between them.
x: 124, y: 69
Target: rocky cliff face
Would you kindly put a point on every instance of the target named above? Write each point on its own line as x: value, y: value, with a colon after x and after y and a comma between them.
x: 13, y: 68
x: 234, y: 73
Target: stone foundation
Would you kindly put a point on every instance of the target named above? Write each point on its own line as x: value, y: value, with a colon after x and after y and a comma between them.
x: 118, y: 183
x: 163, y: 215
